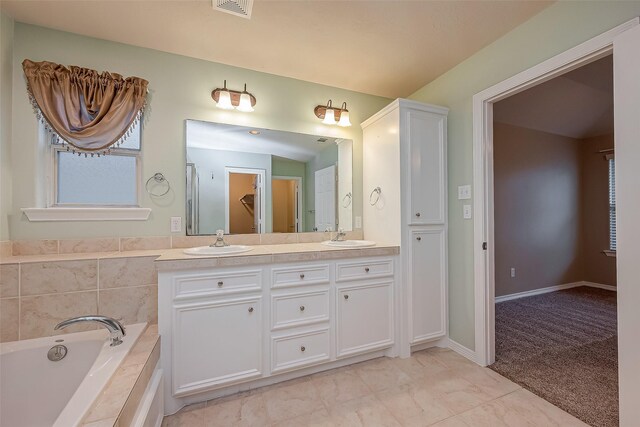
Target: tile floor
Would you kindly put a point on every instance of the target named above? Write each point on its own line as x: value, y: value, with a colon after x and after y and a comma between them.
x: 435, y: 387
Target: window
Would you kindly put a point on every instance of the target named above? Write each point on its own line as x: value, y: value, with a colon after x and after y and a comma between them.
x: 111, y: 180
x: 612, y: 204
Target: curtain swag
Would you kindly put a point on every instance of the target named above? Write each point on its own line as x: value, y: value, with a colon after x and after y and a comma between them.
x: 89, y: 111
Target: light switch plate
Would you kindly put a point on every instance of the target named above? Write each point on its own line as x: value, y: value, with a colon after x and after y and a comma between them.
x: 466, y: 211
x: 176, y: 224
x: 464, y: 192
x: 358, y: 222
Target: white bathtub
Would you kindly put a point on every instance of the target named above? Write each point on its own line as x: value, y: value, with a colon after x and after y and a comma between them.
x: 35, y: 392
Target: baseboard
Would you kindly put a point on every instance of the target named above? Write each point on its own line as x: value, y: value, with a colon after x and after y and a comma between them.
x: 554, y: 288
x: 463, y: 351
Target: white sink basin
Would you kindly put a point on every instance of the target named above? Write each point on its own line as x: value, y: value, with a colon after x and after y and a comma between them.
x: 350, y: 243
x: 222, y: 250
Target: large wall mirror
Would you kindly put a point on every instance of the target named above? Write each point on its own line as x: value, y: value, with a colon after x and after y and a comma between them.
x: 247, y: 180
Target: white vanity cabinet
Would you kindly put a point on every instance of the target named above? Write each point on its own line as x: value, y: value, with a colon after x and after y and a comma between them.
x: 405, y: 188
x: 227, y: 329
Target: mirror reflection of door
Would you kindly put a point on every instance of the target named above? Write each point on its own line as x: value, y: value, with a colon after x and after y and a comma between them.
x: 325, y: 195
x: 286, y: 199
x: 244, y: 204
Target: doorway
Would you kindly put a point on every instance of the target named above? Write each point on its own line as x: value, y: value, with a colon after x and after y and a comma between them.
x: 244, y: 200
x: 325, y: 199
x: 286, y: 198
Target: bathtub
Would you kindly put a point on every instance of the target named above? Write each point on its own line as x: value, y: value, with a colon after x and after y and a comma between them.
x: 35, y: 392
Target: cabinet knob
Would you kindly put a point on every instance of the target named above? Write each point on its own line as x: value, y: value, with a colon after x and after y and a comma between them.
x: 302, y: 308
x: 366, y: 269
x: 220, y: 283
x: 418, y: 214
x: 346, y: 297
x: 303, y: 348
x: 302, y: 276
x: 250, y: 309
x: 418, y: 238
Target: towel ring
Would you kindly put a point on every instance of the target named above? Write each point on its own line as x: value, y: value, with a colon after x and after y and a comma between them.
x: 159, y: 178
x: 377, y: 191
x: 349, y: 197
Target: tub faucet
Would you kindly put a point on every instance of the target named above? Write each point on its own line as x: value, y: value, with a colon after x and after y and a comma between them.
x: 115, y: 328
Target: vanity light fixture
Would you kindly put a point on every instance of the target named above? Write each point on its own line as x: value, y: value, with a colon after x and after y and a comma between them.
x: 331, y: 115
x: 229, y: 99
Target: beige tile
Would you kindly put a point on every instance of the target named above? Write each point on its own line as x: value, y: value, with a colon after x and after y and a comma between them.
x: 63, y: 276
x: 451, y: 392
x: 9, y: 280
x: 9, y: 309
x: 144, y: 243
x: 491, y: 383
x: 89, y: 245
x: 232, y: 261
x: 320, y: 418
x: 130, y: 305
x: 242, y: 239
x: 191, y: 241
x: 6, y: 248
x: 189, y: 416
x: 314, y: 237
x: 355, y: 235
x: 107, y: 422
x: 34, y: 247
x: 294, y: 257
x: 39, y: 314
x: 365, y: 411
x: 419, y: 367
x: 449, y: 422
x: 410, y: 403
x: 340, y: 386
x: 292, y: 400
x: 278, y: 238
x: 129, y: 409
x: 114, y: 396
x: 141, y: 351
x: 123, y: 272
x: 240, y: 410
x: 381, y: 373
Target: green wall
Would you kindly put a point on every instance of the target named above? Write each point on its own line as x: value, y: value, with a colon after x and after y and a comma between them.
x: 6, y: 54
x: 554, y: 30
x: 179, y: 88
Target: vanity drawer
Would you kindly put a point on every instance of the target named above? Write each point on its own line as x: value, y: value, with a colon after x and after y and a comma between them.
x: 300, y: 275
x: 299, y: 309
x: 294, y: 351
x: 364, y: 270
x: 201, y: 285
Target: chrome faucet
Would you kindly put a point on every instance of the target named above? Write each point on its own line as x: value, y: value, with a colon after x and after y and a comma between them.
x: 219, y: 243
x: 115, y: 328
x: 340, y: 236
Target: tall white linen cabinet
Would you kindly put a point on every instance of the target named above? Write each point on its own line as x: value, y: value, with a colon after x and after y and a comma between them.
x: 405, y: 203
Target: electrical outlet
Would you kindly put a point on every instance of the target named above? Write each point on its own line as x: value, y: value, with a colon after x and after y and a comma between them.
x: 176, y: 224
x: 513, y: 272
x: 464, y: 192
x: 466, y: 211
x: 358, y: 222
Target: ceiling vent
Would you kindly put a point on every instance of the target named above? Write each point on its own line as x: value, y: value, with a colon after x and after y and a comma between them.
x: 235, y: 7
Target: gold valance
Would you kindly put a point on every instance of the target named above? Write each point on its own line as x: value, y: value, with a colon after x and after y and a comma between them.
x: 88, y: 110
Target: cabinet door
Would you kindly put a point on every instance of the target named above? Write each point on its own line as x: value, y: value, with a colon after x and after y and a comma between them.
x: 426, y: 133
x: 215, y: 344
x: 364, y: 318
x: 428, y: 285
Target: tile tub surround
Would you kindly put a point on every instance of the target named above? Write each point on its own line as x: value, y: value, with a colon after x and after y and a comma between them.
x: 38, y: 291
x: 119, y: 400
x: 434, y: 387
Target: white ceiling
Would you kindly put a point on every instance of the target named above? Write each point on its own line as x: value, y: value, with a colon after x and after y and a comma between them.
x: 289, y: 145
x: 578, y: 104
x: 390, y: 48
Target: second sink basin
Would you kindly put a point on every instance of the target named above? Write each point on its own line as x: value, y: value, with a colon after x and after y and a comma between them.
x: 350, y: 243
x: 222, y: 250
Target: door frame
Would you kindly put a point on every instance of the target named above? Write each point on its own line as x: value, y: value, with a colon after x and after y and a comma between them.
x: 263, y: 186
x: 298, y: 180
x: 483, y: 225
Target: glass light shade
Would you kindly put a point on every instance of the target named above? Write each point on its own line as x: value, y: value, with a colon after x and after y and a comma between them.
x: 224, y: 100
x: 245, y: 103
x: 329, y: 117
x: 344, y: 119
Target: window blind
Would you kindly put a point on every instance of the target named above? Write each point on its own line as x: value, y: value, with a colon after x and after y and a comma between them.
x: 612, y: 204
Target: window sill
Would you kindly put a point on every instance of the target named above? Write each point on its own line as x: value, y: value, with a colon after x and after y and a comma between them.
x: 609, y: 253
x: 86, y: 214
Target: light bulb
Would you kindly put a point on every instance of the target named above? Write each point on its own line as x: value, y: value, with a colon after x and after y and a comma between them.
x: 329, y: 117
x: 224, y: 100
x: 344, y: 119
x: 245, y: 103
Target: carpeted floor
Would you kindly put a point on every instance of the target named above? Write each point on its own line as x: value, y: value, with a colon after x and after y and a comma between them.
x: 562, y: 346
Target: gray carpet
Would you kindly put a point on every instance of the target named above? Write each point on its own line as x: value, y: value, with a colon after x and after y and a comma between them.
x: 562, y: 346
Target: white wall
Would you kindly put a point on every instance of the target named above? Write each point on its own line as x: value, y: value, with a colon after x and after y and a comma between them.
x: 180, y: 88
